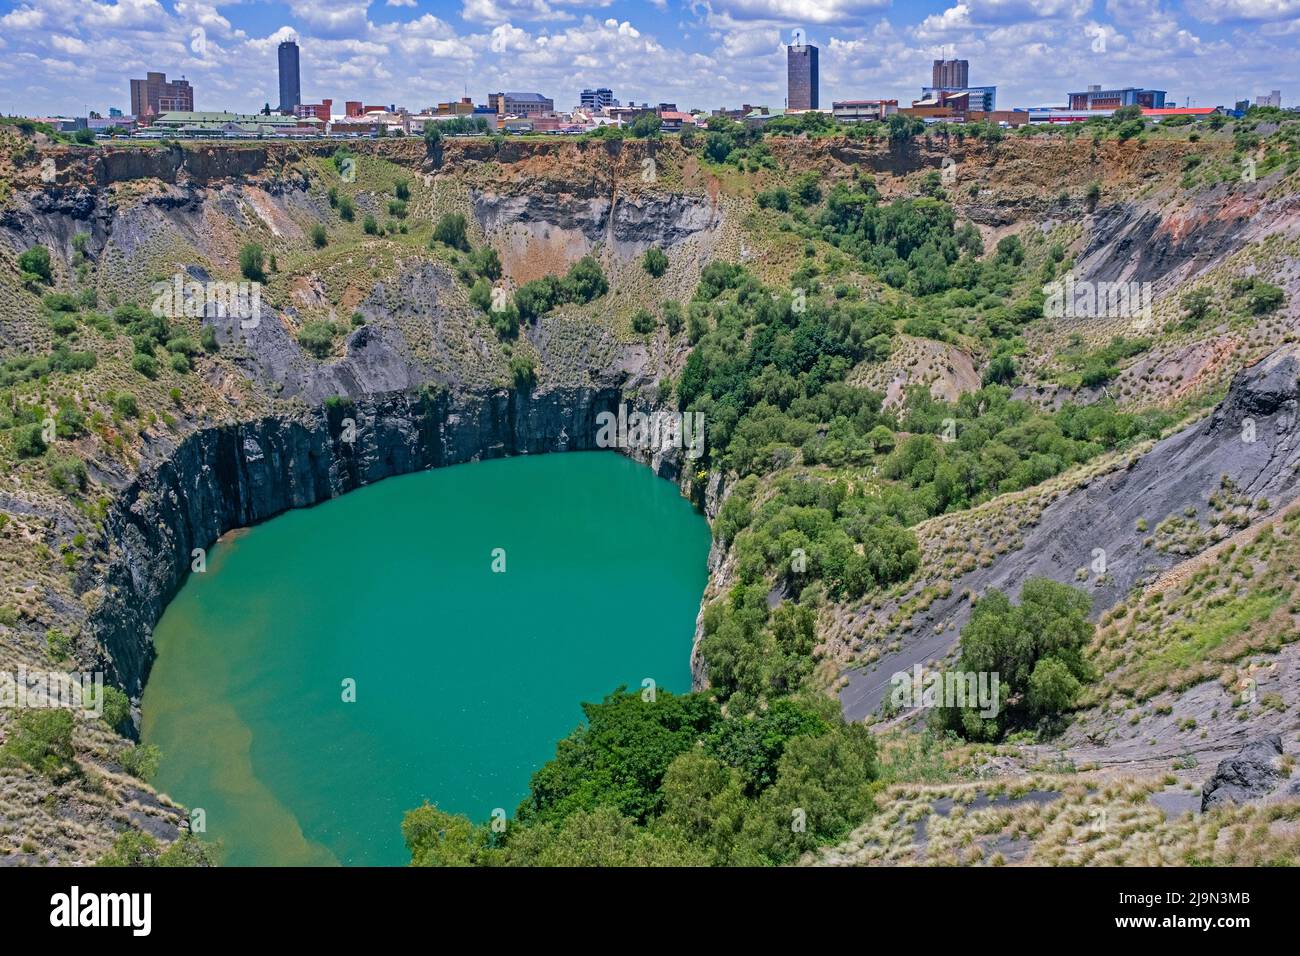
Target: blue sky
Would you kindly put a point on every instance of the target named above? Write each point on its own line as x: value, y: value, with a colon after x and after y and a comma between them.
x: 60, y: 56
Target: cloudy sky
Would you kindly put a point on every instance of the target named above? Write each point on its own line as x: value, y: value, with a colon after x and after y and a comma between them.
x: 64, y: 56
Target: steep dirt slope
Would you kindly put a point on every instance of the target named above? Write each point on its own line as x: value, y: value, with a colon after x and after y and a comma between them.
x: 1101, y: 517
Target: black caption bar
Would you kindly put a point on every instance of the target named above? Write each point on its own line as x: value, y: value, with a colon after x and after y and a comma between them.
x: 229, y: 905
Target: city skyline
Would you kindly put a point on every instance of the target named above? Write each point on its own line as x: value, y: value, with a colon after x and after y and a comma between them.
x: 67, y: 56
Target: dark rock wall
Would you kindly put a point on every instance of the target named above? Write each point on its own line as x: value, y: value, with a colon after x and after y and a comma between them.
x: 236, y: 475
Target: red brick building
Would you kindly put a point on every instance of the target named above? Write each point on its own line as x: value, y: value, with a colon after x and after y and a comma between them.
x: 154, y: 95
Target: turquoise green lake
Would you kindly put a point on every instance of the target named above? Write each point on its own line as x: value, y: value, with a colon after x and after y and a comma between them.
x: 465, y: 677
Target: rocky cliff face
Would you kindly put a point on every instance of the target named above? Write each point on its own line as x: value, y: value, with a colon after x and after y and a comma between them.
x: 539, y: 231
x: 235, y: 475
x: 1166, y: 245
x: 629, y: 224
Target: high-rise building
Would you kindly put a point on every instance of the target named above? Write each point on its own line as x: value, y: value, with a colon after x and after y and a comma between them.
x: 801, y: 77
x: 290, y: 86
x: 950, y: 74
x: 1273, y: 99
x: 598, y: 99
x: 154, y: 95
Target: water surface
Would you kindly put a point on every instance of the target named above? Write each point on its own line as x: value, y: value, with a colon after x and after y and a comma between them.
x: 464, y: 677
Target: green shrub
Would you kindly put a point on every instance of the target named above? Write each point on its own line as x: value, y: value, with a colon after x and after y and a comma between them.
x: 534, y: 299
x: 645, y: 126
x: 505, y: 321
x: 655, y: 261
x: 347, y: 211
x: 643, y: 322
x: 115, y: 709
x: 34, y: 265
x: 68, y: 473
x: 585, y: 281
x: 1036, y: 648
x: 140, y: 761
x: 60, y: 302
x: 146, y: 365
x: 522, y: 373
x: 319, y: 238
x: 451, y: 231
x: 620, y: 756
x: 369, y: 226
x: 252, y: 262
x: 1196, y: 307
x: 29, y: 441
x: 485, y: 261
x: 317, y: 337
x: 69, y: 421
x: 58, y: 644
x: 674, y: 317
x: 133, y: 849
x: 778, y: 199
x: 807, y: 189
x: 480, y: 295
x: 1265, y: 298
x: 41, y: 739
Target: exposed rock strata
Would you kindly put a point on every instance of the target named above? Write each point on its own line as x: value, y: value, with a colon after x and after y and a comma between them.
x: 235, y: 475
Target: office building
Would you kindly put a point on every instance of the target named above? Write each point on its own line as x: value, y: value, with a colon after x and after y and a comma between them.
x: 1273, y: 99
x: 320, y: 111
x: 801, y: 77
x: 950, y: 75
x: 154, y: 95
x: 599, y: 99
x: 520, y: 104
x: 290, y: 85
x: 980, y: 98
x: 863, y: 111
x: 1095, y: 98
